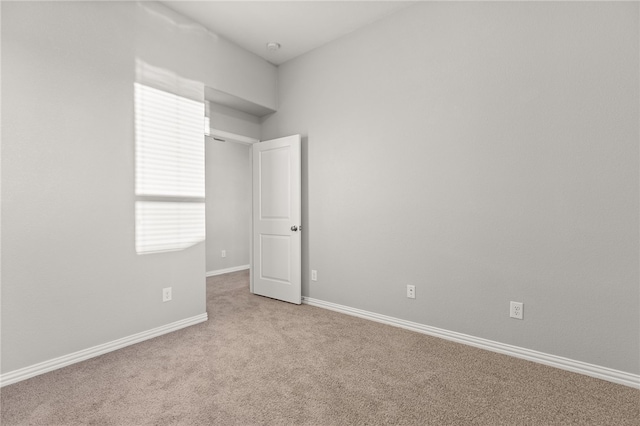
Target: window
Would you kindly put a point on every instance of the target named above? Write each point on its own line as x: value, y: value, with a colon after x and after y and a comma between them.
x: 169, y: 163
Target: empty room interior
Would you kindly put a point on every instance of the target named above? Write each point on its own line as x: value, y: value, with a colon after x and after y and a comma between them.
x: 320, y: 213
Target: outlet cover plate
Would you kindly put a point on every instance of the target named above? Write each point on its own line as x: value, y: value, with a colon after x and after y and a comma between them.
x: 516, y: 310
x: 166, y: 294
x: 411, y: 291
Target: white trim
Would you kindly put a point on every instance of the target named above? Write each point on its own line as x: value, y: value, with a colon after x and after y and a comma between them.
x: 232, y: 137
x: 605, y: 373
x: 227, y: 270
x: 251, y: 225
x: 63, y: 361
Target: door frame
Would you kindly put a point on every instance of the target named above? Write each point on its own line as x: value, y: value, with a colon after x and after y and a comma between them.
x: 224, y: 136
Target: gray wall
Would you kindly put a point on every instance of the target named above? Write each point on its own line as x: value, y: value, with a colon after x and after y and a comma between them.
x: 228, y: 192
x: 484, y: 152
x: 71, y: 278
x: 234, y: 121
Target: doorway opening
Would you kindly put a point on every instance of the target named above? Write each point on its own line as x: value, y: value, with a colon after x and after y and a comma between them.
x: 228, y: 202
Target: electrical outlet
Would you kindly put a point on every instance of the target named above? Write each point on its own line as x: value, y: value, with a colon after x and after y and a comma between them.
x: 166, y: 294
x: 314, y: 275
x: 516, y: 310
x: 224, y: 253
x: 411, y: 291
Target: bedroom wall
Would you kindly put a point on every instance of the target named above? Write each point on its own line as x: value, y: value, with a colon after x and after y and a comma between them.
x: 228, y: 188
x: 485, y: 153
x: 71, y: 278
x: 234, y: 121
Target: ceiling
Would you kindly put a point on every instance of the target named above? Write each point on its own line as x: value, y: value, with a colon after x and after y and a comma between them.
x: 298, y: 26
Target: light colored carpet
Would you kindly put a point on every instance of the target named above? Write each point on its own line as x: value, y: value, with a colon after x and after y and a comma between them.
x: 260, y: 361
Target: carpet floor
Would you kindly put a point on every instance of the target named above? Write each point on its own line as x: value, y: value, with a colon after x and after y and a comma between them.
x: 260, y: 361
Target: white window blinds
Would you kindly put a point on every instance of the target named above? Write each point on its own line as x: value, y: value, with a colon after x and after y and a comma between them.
x: 169, y: 144
x: 170, y: 171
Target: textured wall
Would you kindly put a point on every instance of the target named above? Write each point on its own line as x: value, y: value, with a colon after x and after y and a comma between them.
x: 484, y: 152
x: 71, y: 278
x: 228, y: 186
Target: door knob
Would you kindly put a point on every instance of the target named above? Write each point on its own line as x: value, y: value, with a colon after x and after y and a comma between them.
x: 294, y: 228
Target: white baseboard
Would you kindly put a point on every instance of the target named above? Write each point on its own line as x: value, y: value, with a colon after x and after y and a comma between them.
x: 63, y: 361
x: 227, y: 270
x: 609, y: 374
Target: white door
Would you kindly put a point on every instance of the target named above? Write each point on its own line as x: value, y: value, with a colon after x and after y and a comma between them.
x: 276, y: 269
